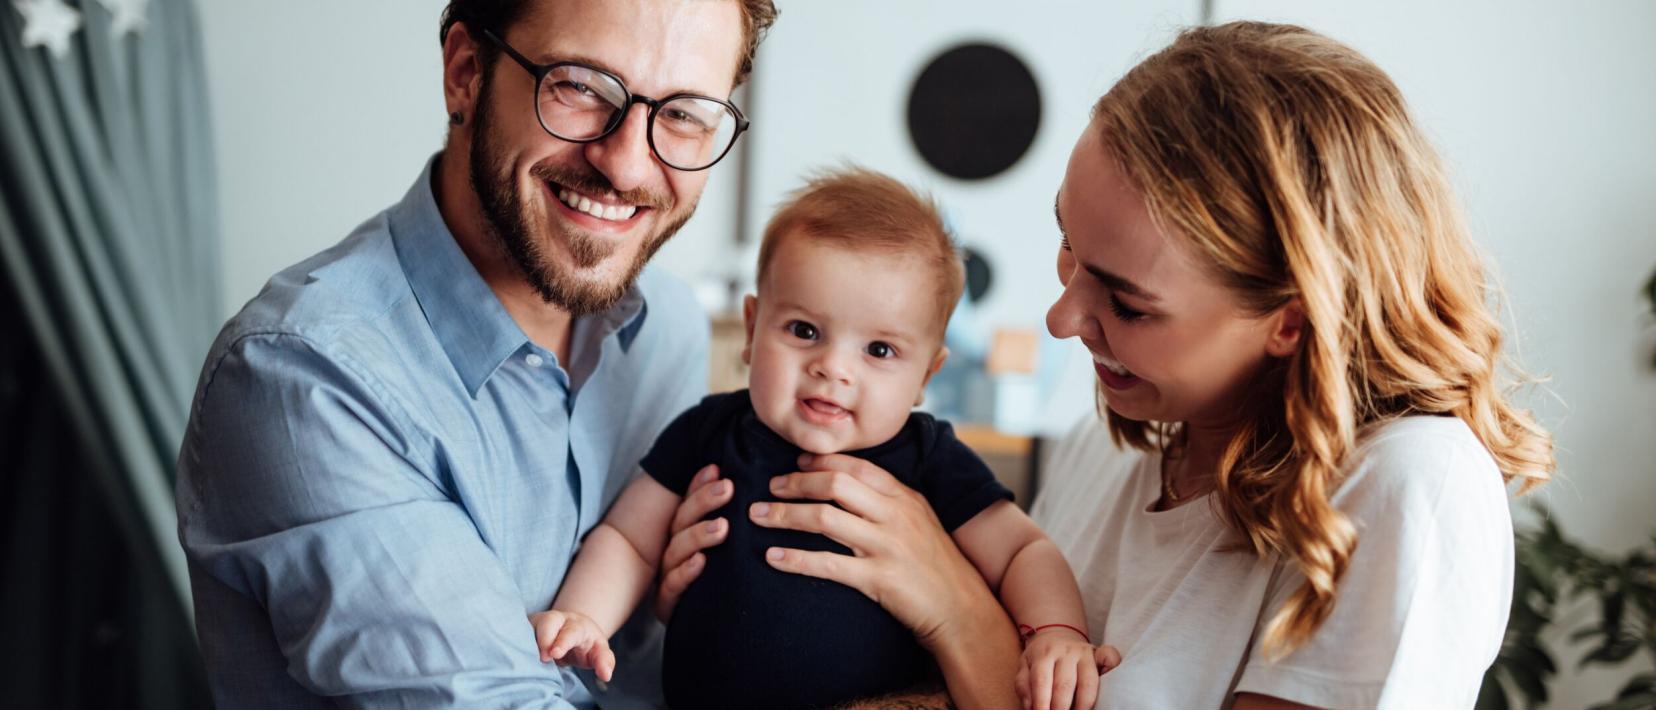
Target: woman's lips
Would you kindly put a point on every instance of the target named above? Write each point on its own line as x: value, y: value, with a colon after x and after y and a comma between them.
x: 1113, y: 380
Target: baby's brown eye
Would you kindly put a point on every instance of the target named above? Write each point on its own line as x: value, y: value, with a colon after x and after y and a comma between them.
x: 881, y: 350
x: 802, y: 330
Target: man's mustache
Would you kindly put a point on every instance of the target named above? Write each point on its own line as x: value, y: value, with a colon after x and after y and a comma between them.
x: 591, y: 182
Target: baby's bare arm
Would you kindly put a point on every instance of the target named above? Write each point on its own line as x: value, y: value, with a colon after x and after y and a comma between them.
x: 1023, y: 566
x: 618, y: 561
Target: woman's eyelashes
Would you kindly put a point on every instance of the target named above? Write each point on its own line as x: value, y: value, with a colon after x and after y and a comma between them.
x: 1123, y: 312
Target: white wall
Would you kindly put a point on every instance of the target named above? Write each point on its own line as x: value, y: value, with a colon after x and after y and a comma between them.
x: 1546, y: 112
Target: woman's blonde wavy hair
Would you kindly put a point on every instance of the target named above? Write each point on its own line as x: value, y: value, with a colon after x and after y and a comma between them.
x: 1290, y: 162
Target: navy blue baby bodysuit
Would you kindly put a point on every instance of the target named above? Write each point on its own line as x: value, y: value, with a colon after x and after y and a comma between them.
x: 745, y: 635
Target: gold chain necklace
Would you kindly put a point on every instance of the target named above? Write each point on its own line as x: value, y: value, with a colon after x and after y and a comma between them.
x: 1173, y: 497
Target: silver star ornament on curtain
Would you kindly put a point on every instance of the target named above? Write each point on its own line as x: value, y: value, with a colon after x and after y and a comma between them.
x: 129, y: 15
x: 48, y: 23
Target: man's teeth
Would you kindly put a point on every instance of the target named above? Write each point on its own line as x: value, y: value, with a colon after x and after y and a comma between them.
x: 578, y: 202
x: 1112, y: 365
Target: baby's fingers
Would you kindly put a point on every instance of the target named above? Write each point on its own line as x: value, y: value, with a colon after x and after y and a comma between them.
x: 575, y: 637
x: 1040, y: 682
x: 1063, y: 685
x: 1086, y: 687
x: 1022, y: 683
x: 605, y: 663
x: 547, y: 626
x: 1106, y: 657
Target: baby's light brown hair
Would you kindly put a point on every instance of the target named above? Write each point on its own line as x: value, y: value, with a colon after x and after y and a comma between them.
x: 864, y: 211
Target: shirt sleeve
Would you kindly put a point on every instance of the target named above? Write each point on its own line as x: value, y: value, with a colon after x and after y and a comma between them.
x: 1422, y: 609
x: 957, y: 483
x: 313, y: 516
x: 673, y: 459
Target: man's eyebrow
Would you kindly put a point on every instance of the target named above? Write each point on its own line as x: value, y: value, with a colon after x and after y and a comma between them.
x: 546, y: 58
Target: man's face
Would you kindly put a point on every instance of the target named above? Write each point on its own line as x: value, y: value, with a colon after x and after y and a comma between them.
x: 581, y: 220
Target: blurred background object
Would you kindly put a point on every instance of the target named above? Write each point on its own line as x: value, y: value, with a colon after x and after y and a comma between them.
x: 110, y: 250
x: 322, y: 112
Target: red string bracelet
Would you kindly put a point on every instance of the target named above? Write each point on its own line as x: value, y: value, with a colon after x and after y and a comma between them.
x: 1027, y: 632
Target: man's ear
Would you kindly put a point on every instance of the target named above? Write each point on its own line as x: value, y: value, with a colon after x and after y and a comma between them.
x: 462, y: 73
x: 936, y: 364
x: 1287, y: 328
x: 750, y: 309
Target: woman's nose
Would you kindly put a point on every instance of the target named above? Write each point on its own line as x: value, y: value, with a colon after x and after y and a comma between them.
x: 1069, y: 317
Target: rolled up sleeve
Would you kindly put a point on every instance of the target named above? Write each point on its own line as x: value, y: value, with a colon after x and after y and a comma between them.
x: 315, y: 519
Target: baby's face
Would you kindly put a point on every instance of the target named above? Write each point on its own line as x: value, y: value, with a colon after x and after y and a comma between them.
x: 841, y: 344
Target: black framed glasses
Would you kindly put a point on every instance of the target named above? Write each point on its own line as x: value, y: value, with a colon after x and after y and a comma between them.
x: 581, y: 103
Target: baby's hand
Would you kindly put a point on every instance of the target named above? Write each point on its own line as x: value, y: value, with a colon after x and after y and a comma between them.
x: 571, y: 638
x: 1060, y: 670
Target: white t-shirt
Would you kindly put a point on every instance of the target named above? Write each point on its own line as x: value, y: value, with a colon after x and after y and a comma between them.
x: 1419, y: 615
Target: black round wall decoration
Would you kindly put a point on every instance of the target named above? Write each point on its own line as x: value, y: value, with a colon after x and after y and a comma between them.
x: 973, y: 111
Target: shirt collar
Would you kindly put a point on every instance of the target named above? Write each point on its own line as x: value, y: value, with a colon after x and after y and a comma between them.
x: 467, y: 318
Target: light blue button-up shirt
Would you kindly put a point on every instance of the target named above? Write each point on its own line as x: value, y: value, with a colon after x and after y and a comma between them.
x: 382, y: 476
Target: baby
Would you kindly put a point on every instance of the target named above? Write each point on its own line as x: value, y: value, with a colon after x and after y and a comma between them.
x: 857, y: 280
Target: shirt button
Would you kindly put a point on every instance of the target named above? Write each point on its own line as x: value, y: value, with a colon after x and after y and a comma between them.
x: 534, y: 360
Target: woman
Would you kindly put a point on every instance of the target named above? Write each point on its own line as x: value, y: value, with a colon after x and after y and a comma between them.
x: 1297, y: 495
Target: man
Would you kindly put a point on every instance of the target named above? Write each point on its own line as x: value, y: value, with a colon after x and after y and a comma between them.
x: 395, y: 447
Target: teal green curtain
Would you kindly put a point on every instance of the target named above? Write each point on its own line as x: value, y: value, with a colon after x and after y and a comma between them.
x: 109, y: 260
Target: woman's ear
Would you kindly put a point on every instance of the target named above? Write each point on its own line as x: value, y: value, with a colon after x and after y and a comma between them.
x: 750, y: 309
x: 1287, y: 327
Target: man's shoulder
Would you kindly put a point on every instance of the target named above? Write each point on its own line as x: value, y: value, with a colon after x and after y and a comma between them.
x: 325, y: 298
x: 350, y: 301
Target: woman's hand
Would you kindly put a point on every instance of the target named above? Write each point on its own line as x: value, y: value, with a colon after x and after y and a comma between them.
x: 903, y: 560
x: 683, y: 560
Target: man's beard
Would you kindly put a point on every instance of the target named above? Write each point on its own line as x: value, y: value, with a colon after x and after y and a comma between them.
x: 507, y: 218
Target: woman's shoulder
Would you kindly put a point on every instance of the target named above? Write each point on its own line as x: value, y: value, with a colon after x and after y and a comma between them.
x: 1404, y: 465
x: 1083, y: 465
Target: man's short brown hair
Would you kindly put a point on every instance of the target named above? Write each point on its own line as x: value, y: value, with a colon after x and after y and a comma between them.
x: 499, y: 15
x: 865, y: 211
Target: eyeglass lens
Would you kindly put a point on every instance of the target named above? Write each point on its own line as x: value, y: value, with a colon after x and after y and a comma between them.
x: 578, y: 103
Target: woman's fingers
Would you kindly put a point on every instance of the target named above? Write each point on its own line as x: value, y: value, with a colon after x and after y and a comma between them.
x: 686, y: 543
x: 1022, y: 684
x: 849, y: 571
x: 683, y: 562
x: 838, y: 525
x: 706, y: 494
x: 842, y: 487
x: 871, y: 475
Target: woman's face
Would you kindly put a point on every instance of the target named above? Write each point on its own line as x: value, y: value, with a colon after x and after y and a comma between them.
x: 1168, y: 342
